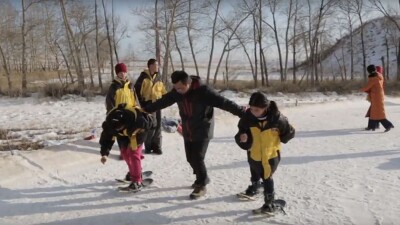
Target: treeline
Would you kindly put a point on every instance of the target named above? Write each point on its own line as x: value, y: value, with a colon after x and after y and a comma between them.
x: 77, y: 39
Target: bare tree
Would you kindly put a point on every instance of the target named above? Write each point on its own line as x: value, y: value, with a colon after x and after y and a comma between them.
x: 113, y: 30
x: 313, y: 34
x: 77, y: 39
x: 392, y: 15
x: 7, y: 17
x: 357, y: 8
x: 273, y: 4
x: 157, y: 33
x: 346, y: 7
x: 213, y: 34
x: 179, y: 51
x: 24, y: 31
x: 189, y: 28
x: 109, y: 40
x: 290, y: 13
x: 97, y: 46
x: 232, y: 28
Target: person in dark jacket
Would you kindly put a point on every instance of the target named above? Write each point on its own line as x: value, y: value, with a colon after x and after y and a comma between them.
x: 261, y: 131
x: 149, y: 87
x: 127, y: 124
x: 196, y: 104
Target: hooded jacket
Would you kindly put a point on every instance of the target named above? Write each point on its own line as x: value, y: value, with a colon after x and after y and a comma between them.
x: 264, y: 135
x: 121, y: 92
x: 196, y: 109
x: 133, y: 122
x: 149, y: 88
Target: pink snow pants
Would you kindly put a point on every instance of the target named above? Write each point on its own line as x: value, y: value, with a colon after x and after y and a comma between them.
x: 133, y: 159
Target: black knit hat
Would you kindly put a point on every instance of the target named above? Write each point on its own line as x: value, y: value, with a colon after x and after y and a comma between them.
x: 259, y: 99
x: 116, y: 119
x: 371, y: 68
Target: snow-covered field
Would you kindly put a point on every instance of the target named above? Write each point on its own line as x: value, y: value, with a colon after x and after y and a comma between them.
x: 333, y: 172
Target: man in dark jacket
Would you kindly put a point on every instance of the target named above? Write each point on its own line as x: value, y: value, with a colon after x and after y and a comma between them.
x: 196, y: 104
x: 149, y: 87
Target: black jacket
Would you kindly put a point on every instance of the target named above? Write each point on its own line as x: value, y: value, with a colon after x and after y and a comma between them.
x: 135, y: 122
x: 196, y: 109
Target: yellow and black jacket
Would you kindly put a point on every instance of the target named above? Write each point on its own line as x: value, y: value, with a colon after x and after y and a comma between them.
x: 121, y: 92
x: 264, y: 136
x: 149, y: 88
x: 134, y: 121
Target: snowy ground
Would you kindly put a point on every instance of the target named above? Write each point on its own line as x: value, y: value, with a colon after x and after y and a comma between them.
x: 333, y: 172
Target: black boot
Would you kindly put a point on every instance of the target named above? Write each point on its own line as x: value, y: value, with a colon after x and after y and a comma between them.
x: 268, y: 206
x: 198, y: 192
x: 253, y: 189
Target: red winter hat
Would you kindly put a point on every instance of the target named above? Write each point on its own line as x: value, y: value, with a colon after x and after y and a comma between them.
x: 120, y: 67
x: 379, y: 69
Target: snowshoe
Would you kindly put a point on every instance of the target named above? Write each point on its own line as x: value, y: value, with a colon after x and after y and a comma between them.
x: 136, y: 187
x: 127, y: 180
x: 272, y: 209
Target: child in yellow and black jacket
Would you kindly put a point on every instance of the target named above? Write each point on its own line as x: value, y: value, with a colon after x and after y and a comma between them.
x: 128, y: 124
x: 149, y: 88
x: 261, y: 132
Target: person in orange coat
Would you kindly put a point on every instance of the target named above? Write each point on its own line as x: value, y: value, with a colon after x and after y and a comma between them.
x: 379, y: 71
x: 374, y: 88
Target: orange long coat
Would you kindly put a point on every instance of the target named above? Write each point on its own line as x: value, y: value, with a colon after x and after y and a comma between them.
x: 374, y: 88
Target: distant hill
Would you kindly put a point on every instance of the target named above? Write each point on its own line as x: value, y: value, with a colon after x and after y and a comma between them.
x: 376, y: 31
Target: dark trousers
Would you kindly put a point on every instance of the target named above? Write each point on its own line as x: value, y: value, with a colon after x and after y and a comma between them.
x: 195, y: 154
x: 385, y: 123
x: 372, y: 124
x: 257, y: 172
x: 255, y: 175
x: 153, y: 137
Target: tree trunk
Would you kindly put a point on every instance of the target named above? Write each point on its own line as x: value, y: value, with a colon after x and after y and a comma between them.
x: 387, y: 60
x: 6, y: 70
x: 294, y: 45
x: 97, y: 46
x: 109, y: 41
x: 212, y: 42
x: 169, y: 26
x: 247, y: 54
x: 226, y: 44
x: 113, y: 31
x: 157, y: 33
x: 265, y: 68
x: 364, y: 55
x: 351, y: 53
x: 171, y: 61
x: 275, y: 29
x: 23, y: 32
x: 398, y: 62
x: 287, y: 39
x: 260, y: 49
x: 66, y: 62
x: 179, y: 51
x: 188, y: 28
x: 89, y: 65
x: 227, y: 68
x: 75, y: 52
x: 255, y: 52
